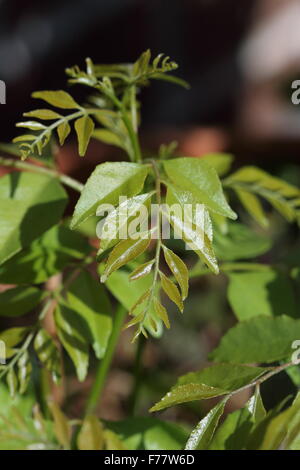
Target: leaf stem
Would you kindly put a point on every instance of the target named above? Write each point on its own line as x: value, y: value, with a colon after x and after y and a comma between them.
x: 105, y: 363
x: 67, y: 180
x: 261, y: 379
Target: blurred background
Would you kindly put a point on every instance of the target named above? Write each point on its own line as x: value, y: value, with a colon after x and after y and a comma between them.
x: 240, y: 58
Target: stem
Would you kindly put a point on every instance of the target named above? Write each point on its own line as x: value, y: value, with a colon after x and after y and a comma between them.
x: 265, y: 377
x: 104, y: 365
x: 133, y: 108
x: 67, y: 180
x: 129, y: 126
x: 159, y: 242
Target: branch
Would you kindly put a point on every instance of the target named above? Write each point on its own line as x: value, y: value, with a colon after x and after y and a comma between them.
x: 67, y: 180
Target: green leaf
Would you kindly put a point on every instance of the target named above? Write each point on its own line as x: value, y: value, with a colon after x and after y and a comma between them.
x: 88, y: 299
x: 59, y: 99
x: 283, y: 196
x: 33, y: 125
x: 161, y: 312
x: 63, y: 131
x: 24, y: 371
x: 141, y: 433
x: 253, y: 205
x: 203, y: 433
x: 239, y: 243
x: 233, y: 433
x: 256, y: 407
x: 171, y: 290
x: 12, y: 383
x: 112, y: 441
x: 259, y: 339
x: 124, y: 221
x: 125, y: 251
x: 46, y: 256
x: 128, y: 293
x: 199, y: 178
x: 198, y: 236
x: 261, y: 293
x: 72, y: 334
x: 221, y: 162
x: 29, y: 205
x: 48, y: 354
x: 179, y: 270
x: 62, y: 427
x: 13, y: 336
x: 91, y: 436
x: 106, y: 184
x: 108, y: 137
x: 281, y: 427
x: 44, y: 114
x: 19, y: 300
x: 186, y: 393
x: 228, y: 377
x: 142, y: 270
x: 84, y: 127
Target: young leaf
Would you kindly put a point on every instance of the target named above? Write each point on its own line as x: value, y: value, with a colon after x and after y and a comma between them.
x: 125, y: 251
x: 63, y: 131
x: 13, y: 336
x: 256, y: 407
x: 29, y: 205
x: 171, y: 290
x: 44, y: 114
x: 59, y: 99
x: 259, y: 339
x: 24, y: 371
x: 118, y: 223
x: 91, y: 435
x: 203, y: 433
x: 108, y: 137
x: 142, y: 270
x: 200, y: 179
x: 128, y: 293
x: 112, y: 441
x: 72, y: 333
x: 106, y: 184
x: 48, y: 353
x: 179, y: 270
x: 84, y: 127
x: 12, y: 382
x: 19, y: 300
x: 33, y: 125
x: 253, y: 205
x: 62, y: 428
x: 161, y: 312
x: 89, y: 300
x: 283, y: 196
x: 198, y: 236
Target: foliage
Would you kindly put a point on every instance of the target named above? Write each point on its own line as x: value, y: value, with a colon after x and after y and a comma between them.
x: 145, y: 276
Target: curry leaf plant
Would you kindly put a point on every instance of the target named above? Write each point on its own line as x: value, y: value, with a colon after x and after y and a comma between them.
x: 138, y: 276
